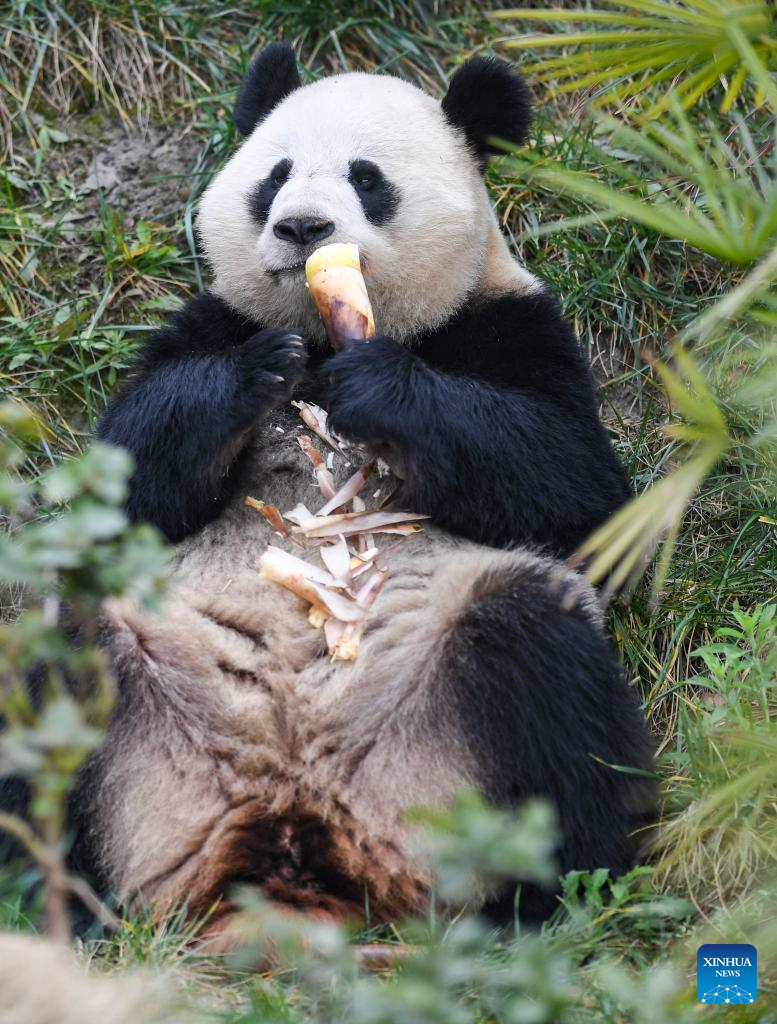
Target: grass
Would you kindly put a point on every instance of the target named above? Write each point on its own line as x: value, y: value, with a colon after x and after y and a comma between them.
x: 88, y: 264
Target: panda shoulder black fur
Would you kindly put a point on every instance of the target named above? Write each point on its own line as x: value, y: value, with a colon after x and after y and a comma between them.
x: 238, y: 751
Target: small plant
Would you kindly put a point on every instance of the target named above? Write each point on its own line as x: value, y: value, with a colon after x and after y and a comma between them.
x: 147, y: 253
x: 595, y: 907
x: 471, y: 844
x: 69, y: 543
x: 721, y: 833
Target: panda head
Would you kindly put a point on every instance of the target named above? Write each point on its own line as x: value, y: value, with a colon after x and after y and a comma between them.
x: 369, y: 159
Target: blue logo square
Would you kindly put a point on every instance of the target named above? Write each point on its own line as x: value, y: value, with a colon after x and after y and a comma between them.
x: 727, y: 973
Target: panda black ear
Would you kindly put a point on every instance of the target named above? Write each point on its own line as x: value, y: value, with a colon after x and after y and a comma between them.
x: 271, y: 77
x: 486, y: 98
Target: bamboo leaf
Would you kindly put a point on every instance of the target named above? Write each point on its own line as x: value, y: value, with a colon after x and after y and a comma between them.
x: 734, y: 89
x: 616, y: 553
x: 663, y: 218
x: 754, y: 64
x: 697, y: 42
x: 596, y: 17
x: 732, y: 304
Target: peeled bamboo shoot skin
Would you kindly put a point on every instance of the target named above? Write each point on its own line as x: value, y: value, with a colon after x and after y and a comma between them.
x: 337, y: 287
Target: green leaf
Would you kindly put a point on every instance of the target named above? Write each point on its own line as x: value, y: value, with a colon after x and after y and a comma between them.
x: 690, y: 44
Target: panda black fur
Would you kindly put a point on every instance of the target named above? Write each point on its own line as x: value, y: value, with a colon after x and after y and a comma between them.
x: 238, y: 752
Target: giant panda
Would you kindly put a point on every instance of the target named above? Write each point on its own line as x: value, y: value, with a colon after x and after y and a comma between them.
x: 238, y: 752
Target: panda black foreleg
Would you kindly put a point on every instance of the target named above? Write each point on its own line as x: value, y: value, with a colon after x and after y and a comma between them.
x: 187, y: 413
x: 494, y: 464
x: 530, y: 685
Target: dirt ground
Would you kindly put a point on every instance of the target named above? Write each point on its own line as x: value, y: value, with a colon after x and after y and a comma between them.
x: 147, y: 172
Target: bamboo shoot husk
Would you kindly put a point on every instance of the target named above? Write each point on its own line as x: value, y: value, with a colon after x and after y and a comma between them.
x: 337, y: 287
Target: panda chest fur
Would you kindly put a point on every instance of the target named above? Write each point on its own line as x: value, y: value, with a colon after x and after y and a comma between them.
x: 278, y: 470
x: 257, y: 630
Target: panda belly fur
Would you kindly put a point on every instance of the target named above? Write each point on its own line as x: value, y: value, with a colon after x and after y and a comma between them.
x: 239, y: 753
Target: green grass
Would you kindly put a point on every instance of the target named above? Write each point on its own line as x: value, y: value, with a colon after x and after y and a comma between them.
x: 86, y: 269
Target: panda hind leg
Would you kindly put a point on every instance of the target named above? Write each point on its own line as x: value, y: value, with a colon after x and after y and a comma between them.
x: 529, y: 684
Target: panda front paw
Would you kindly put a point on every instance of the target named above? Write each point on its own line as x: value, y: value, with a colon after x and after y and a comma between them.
x: 369, y: 387
x: 272, y: 364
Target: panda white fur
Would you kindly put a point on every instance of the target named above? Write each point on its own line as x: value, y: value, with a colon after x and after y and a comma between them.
x: 238, y: 752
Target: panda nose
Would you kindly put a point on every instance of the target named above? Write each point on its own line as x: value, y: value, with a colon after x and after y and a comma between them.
x: 303, y: 230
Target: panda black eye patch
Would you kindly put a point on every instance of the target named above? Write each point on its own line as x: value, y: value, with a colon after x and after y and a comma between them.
x: 262, y: 194
x: 379, y: 198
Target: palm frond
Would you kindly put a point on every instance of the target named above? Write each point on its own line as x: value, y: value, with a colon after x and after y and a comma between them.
x: 718, y: 195
x: 617, y: 553
x: 696, y: 45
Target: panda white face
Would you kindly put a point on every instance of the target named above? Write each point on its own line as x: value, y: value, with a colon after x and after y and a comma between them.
x: 354, y: 158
